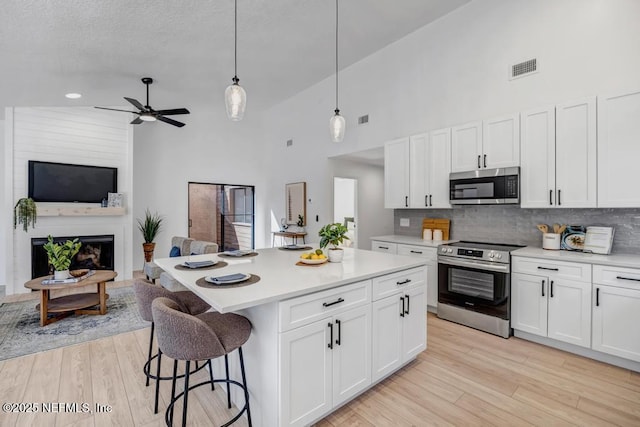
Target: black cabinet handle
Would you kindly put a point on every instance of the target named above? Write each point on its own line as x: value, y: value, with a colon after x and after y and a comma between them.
x: 547, y: 268
x: 415, y: 252
x: 543, y: 287
x: 406, y: 201
x: 402, y: 311
x: 551, y: 290
x: 627, y: 278
x: 404, y: 282
x: 597, y: 297
x: 383, y: 247
x: 330, y: 345
x: 339, y: 331
x: 329, y: 304
x: 559, y: 202
x: 426, y: 198
x: 408, y: 304
x: 430, y: 204
x: 479, y: 162
x: 485, y: 160
x: 550, y: 197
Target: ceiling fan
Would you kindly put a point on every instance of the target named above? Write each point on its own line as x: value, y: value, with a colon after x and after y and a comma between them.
x: 148, y: 114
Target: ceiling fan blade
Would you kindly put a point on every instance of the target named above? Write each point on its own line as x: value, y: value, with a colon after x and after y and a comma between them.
x: 135, y: 102
x: 136, y: 121
x: 113, y: 109
x: 173, y: 111
x: 170, y: 121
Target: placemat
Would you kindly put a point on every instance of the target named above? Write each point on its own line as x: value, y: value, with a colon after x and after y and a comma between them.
x: 252, y: 254
x: 310, y: 265
x: 218, y: 264
x: 250, y: 281
x: 299, y: 248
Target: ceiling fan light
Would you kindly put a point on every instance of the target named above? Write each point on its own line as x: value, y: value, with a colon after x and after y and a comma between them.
x: 337, y: 126
x: 235, y: 99
x: 147, y: 118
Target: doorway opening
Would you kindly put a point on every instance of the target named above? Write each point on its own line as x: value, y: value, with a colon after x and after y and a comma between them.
x: 223, y: 214
x: 345, y: 207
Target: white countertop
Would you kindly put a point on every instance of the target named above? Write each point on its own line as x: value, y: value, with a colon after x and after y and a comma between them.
x: 410, y: 240
x: 617, y: 260
x: 280, y: 278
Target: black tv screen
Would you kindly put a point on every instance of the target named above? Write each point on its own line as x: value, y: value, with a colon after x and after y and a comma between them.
x: 62, y: 182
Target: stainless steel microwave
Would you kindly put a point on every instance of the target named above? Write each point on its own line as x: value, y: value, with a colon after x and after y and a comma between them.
x: 485, y: 187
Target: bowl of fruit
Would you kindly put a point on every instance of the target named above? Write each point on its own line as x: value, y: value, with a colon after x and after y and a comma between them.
x: 315, y: 257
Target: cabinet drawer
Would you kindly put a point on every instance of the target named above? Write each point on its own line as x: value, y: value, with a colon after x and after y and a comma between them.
x: 377, y: 246
x: 552, y: 269
x: 390, y: 284
x: 616, y: 276
x: 306, y: 309
x: 418, y: 251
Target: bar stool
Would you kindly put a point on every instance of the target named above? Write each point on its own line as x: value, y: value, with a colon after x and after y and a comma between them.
x: 188, y: 302
x: 206, y: 336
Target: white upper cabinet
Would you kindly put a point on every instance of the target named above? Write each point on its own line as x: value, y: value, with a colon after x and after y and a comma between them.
x: 538, y: 173
x: 559, y: 156
x: 466, y: 147
x: 501, y: 142
x: 493, y: 143
x: 576, y: 154
x: 430, y: 165
x: 396, y: 173
x: 618, y: 150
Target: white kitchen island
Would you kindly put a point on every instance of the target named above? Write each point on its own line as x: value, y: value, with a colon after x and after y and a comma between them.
x: 321, y: 334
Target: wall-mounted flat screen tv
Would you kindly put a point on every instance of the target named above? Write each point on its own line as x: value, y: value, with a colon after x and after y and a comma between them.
x: 62, y: 182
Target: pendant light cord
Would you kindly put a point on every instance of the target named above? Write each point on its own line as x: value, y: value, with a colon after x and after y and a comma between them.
x: 337, y: 110
x: 235, y: 41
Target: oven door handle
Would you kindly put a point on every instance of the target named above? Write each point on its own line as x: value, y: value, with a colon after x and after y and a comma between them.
x: 499, y: 268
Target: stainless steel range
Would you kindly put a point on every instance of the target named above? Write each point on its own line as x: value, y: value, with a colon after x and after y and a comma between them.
x: 474, y: 285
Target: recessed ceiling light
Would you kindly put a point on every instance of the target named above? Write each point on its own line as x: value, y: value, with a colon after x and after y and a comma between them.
x: 73, y: 95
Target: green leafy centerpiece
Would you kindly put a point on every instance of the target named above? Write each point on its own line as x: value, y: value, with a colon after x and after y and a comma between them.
x: 333, y: 234
x: 60, y: 256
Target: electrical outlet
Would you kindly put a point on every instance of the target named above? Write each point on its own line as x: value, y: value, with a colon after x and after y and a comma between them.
x: 404, y: 222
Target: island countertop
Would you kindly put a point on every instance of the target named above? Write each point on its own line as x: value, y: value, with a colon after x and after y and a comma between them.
x: 280, y: 277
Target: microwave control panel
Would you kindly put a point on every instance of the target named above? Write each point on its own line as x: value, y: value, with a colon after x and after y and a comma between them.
x: 511, y: 186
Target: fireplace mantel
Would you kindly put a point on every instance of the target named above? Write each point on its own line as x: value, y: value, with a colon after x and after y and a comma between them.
x: 79, y: 211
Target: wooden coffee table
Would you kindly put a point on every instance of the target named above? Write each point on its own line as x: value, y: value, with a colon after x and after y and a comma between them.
x: 74, y: 303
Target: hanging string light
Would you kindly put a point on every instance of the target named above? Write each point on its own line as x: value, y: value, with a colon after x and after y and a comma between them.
x: 234, y: 96
x: 337, y: 123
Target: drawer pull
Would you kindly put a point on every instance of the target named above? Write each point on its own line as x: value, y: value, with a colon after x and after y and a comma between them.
x: 383, y: 247
x: 330, y: 326
x: 402, y: 310
x: 329, y: 304
x: 547, y: 268
x: 627, y: 278
x: 404, y: 282
x: 416, y: 252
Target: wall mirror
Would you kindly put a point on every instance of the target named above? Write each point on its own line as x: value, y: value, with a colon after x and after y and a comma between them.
x: 296, y: 202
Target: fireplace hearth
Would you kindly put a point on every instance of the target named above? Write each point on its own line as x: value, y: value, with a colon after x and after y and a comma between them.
x: 96, y: 253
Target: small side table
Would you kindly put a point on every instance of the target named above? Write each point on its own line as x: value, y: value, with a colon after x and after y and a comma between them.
x: 74, y: 303
x: 293, y: 235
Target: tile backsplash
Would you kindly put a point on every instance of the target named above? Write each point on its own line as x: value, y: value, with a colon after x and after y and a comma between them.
x: 512, y: 224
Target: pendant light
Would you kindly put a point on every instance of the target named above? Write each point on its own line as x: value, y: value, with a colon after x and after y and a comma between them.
x: 337, y: 124
x: 235, y: 97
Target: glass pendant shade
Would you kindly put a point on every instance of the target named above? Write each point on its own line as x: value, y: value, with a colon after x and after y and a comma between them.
x: 236, y: 100
x: 337, y: 126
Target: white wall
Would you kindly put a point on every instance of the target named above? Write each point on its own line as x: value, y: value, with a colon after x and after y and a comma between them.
x: 4, y: 205
x: 66, y: 135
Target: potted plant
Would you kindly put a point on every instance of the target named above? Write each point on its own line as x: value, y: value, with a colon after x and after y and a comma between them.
x: 149, y: 227
x: 300, y: 223
x: 60, y: 256
x: 333, y: 234
x: 25, y: 212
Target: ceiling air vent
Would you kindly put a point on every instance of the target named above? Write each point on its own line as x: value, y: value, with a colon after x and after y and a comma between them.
x: 363, y: 119
x: 523, y: 69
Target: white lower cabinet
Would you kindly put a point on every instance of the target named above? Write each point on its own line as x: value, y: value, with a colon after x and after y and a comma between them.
x: 616, y: 311
x: 550, y: 305
x: 399, y: 322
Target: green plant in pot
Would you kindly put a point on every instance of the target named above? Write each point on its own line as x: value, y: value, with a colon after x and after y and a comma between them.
x: 149, y: 227
x: 333, y: 234
x: 60, y: 255
x: 25, y: 212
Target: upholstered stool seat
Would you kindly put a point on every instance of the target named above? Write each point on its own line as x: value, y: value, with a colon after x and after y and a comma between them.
x: 183, y: 336
x: 188, y: 302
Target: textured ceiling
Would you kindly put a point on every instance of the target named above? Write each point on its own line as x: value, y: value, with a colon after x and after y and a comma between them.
x: 101, y: 48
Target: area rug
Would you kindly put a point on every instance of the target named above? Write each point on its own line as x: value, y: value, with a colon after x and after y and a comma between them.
x: 21, y: 333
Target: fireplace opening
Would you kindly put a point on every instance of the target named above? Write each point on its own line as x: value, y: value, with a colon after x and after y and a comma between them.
x: 96, y: 253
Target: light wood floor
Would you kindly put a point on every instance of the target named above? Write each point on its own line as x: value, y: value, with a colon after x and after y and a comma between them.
x: 464, y: 378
